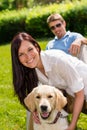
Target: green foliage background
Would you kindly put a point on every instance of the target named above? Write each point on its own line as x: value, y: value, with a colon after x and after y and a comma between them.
x: 33, y: 20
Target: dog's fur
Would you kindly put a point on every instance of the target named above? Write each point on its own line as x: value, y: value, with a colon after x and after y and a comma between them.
x: 48, y: 101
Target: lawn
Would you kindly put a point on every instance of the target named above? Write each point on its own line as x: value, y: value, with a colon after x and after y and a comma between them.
x: 12, y: 114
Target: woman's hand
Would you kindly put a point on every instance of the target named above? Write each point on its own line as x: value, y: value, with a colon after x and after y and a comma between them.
x: 71, y: 127
x: 36, y: 117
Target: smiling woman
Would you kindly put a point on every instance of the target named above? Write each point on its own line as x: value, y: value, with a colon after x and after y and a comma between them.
x: 28, y: 54
x: 22, y: 63
x: 32, y: 66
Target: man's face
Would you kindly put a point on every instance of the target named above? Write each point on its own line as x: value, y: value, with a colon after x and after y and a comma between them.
x: 58, y: 28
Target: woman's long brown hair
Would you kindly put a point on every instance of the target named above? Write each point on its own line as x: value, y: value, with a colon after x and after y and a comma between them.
x: 24, y: 79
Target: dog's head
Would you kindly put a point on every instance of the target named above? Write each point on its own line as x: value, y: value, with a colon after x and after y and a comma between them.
x: 45, y: 99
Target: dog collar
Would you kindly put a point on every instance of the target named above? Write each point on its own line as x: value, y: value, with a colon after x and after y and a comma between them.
x: 56, y: 118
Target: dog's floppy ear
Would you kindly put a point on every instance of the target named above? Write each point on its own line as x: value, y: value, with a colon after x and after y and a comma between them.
x: 61, y: 100
x: 29, y: 101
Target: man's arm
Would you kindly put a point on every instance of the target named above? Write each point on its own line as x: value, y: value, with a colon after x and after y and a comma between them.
x: 76, y: 46
x: 83, y: 41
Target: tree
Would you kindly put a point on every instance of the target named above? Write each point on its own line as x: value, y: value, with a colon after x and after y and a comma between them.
x: 20, y: 4
x: 13, y: 4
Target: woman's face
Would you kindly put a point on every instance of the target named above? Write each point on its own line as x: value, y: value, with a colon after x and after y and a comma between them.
x: 28, y: 54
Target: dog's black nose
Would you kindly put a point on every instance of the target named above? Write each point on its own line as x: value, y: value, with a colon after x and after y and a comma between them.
x: 44, y: 108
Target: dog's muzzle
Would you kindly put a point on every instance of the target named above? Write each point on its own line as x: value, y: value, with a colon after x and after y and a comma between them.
x: 44, y: 113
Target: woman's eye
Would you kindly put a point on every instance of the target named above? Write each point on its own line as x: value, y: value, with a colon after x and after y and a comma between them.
x: 21, y: 54
x: 30, y: 49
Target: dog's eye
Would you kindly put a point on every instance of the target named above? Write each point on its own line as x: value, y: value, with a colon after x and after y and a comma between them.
x: 50, y: 96
x: 38, y: 97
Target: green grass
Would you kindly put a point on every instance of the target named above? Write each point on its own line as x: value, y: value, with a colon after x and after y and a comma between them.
x: 12, y: 114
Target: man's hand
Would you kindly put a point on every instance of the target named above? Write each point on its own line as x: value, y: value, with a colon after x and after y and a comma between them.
x: 75, y: 47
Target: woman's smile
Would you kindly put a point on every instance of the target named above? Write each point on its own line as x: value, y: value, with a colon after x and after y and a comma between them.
x: 30, y: 61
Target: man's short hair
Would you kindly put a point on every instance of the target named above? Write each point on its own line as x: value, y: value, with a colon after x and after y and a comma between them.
x: 54, y: 17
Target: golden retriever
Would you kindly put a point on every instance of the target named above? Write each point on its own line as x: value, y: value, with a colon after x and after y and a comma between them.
x: 48, y: 101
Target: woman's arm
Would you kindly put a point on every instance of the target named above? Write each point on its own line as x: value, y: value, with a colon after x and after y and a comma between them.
x: 78, y: 104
